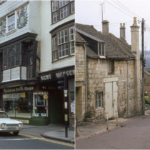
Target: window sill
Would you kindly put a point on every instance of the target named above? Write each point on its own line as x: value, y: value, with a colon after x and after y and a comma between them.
x: 102, y: 57
x: 11, y: 32
x: 63, y: 57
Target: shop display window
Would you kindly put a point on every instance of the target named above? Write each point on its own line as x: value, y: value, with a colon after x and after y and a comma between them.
x: 18, y: 104
x: 40, y: 108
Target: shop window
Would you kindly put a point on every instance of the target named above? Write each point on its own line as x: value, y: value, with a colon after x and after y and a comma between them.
x: 72, y: 97
x: 18, y: 104
x: 40, y: 104
x: 61, y: 9
x: 98, y: 100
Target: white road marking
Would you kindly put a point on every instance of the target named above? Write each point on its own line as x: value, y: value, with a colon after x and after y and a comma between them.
x: 20, y: 139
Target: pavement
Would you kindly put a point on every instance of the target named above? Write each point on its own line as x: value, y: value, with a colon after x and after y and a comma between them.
x: 88, y: 129
x: 55, y: 132
x: 132, y: 133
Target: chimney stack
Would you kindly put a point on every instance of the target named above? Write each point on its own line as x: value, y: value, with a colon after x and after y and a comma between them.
x: 105, y: 26
x: 122, y: 31
x: 135, y: 38
x: 135, y: 51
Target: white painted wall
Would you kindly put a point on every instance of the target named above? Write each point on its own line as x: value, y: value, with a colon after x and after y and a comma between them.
x: 33, y: 24
x: 46, y: 27
x: 35, y: 18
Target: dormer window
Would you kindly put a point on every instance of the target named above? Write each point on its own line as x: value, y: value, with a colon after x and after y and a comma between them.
x: 101, y: 49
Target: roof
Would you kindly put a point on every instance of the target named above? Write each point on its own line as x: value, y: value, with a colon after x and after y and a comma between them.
x: 114, y: 47
x: 147, y: 71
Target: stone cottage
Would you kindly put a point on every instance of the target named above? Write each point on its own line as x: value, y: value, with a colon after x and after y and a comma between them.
x: 108, y: 73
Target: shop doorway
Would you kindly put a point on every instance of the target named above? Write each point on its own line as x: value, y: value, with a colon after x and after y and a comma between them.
x: 56, y: 110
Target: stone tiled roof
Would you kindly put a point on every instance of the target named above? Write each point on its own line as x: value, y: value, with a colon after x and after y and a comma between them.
x: 79, y: 38
x: 114, y: 47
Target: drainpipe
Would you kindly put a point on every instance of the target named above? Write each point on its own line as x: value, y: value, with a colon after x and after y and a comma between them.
x: 128, y: 105
x: 85, y: 79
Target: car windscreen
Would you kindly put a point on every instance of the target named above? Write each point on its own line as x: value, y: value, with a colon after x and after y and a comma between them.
x: 3, y: 115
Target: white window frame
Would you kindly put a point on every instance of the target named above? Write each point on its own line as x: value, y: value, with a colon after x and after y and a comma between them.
x: 98, y: 99
x: 66, y: 3
x: 15, y: 14
x: 64, y: 11
x: 72, y: 40
x: 54, y: 48
x: 72, y: 8
x: 101, y: 48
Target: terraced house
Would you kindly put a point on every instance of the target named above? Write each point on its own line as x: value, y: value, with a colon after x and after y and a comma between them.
x: 36, y: 48
x: 108, y: 73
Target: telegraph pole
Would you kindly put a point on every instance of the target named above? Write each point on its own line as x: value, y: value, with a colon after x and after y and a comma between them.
x: 143, y: 64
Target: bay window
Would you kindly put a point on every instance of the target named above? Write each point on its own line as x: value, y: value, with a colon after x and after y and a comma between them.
x: 63, y: 43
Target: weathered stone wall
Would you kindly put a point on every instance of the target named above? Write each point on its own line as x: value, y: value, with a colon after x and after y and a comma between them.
x: 97, y: 71
x: 80, y: 82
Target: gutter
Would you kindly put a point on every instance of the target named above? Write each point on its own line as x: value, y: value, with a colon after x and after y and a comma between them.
x: 85, y: 79
x: 128, y: 105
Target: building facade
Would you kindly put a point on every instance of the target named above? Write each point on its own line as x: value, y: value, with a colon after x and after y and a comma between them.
x: 31, y: 60
x: 108, y: 77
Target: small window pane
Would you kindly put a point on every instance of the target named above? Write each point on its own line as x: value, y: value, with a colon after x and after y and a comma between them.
x: 72, y: 7
x: 54, y: 5
x: 11, y: 22
x: 63, y: 2
x: 98, y: 101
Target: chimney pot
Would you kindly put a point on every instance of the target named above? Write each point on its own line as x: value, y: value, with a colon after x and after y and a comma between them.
x: 134, y: 21
x: 122, y: 31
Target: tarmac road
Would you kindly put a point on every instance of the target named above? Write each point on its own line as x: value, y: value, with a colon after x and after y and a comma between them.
x: 135, y: 134
x: 30, y: 138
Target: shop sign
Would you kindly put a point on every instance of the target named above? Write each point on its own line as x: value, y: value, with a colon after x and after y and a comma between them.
x: 57, y: 75
x: 45, y: 96
x: 19, y: 89
x: 23, y: 95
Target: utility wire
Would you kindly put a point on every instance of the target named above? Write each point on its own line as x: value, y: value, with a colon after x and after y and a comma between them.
x: 119, y: 9
x: 128, y: 9
x: 124, y: 8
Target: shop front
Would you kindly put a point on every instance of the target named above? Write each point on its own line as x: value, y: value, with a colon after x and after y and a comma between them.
x: 56, y: 98
x: 27, y: 104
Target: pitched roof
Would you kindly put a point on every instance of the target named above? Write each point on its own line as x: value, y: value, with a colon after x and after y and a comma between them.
x: 115, y: 47
x: 147, y: 71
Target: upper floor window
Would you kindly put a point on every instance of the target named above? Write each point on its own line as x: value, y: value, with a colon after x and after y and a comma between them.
x: 101, y: 49
x: 11, y: 22
x: 63, y: 43
x: 110, y: 66
x: 62, y: 9
x: 11, y: 56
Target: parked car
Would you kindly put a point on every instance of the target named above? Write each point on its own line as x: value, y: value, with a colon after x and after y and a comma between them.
x: 9, y: 125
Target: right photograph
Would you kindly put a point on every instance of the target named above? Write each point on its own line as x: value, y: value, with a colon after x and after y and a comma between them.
x: 112, y: 74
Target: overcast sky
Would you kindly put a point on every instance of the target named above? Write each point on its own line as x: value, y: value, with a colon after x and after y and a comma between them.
x: 116, y: 12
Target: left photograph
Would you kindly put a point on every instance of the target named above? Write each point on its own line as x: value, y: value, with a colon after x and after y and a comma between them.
x: 37, y: 74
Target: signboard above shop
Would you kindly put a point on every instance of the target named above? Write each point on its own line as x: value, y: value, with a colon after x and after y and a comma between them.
x: 53, y: 75
x: 18, y: 89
